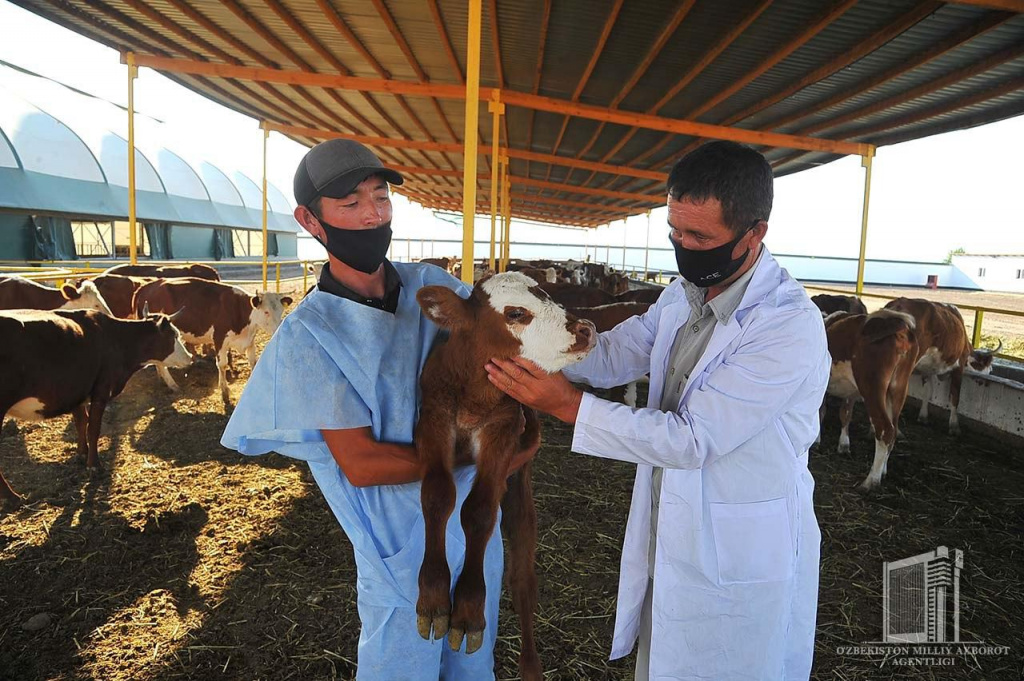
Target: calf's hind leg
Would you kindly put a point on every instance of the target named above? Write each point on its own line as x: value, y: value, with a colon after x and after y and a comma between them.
x: 479, y: 515
x: 519, y: 524
x: 437, y: 497
x: 7, y: 495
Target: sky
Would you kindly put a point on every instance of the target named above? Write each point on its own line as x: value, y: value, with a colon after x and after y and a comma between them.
x: 928, y: 197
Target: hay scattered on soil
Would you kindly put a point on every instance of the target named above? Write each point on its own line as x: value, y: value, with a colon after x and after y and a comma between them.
x: 182, y: 560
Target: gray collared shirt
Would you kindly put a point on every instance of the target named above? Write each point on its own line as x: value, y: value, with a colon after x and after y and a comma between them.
x: 691, y: 341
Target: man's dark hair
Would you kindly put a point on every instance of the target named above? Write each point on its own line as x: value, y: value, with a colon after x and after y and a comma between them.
x: 737, y: 176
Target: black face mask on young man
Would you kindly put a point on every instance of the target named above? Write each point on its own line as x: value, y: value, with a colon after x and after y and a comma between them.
x: 360, y: 249
x: 710, y: 267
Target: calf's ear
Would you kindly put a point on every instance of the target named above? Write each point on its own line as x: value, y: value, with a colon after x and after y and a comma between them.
x: 286, y: 301
x: 70, y: 292
x: 255, y: 301
x: 442, y: 306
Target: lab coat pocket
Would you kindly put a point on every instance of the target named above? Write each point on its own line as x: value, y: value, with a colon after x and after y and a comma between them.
x: 753, y: 541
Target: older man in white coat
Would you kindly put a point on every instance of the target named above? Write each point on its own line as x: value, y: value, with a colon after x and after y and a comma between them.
x: 719, y: 576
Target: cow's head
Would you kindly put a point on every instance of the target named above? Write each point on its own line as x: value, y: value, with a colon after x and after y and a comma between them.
x: 165, y: 347
x: 980, y: 360
x: 85, y: 297
x: 267, y: 310
x: 509, y: 315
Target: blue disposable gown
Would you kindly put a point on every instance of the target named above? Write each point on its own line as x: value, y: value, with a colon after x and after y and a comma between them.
x: 335, y: 364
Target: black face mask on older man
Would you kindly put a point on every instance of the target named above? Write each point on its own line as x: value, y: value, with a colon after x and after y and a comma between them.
x: 360, y: 249
x: 710, y: 267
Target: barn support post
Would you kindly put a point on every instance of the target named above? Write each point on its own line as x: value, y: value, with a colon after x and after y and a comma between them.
x: 266, y: 135
x: 499, y: 163
x: 470, y: 136
x: 647, y: 246
x: 497, y: 109
x: 508, y: 214
x: 979, y: 315
x: 133, y: 73
x: 625, y: 235
x: 865, y: 161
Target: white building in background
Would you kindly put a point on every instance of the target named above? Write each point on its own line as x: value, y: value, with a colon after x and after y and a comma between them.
x: 992, y: 272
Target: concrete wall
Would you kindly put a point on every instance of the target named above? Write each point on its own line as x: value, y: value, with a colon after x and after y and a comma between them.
x: 993, y: 403
x: 1000, y: 271
x: 287, y: 245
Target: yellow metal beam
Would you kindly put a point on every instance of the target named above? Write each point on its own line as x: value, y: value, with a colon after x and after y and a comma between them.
x: 133, y: 72
x: 266, y: 134
x: 472, y: 95
x: 449, y: 147
x: 866, y: 162
x: 510, y: 97
x: 497, y: 109
x: 508, y: 215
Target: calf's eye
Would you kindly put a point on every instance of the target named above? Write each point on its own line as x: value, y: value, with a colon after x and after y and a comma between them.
x: 514, y: 314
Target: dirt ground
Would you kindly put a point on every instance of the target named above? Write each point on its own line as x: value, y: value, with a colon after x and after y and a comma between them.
x: 182, y: 560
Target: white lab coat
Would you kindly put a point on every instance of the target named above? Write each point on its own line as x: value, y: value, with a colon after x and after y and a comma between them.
x: 736, y: 573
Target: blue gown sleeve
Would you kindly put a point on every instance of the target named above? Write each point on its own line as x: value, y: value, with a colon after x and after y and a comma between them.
x: 295, y: 391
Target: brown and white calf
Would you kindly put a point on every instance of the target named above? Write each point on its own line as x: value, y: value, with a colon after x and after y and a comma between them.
x: 463, y: 415
x: 945, y: 349
x: 166, y: 271
x: 17, y: 293
x: 76, y: 361
x: 119, y: 292
x: 829, y: 303
x: 216, y: 314
x: 872, y: 359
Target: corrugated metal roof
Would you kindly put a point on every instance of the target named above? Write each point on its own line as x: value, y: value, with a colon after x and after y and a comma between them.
x: 873, y: 71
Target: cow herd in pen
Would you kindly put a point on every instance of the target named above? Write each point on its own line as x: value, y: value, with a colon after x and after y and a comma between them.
x: 72, y: 349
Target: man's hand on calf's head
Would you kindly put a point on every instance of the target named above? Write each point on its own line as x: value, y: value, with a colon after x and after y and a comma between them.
x: 524, y: 381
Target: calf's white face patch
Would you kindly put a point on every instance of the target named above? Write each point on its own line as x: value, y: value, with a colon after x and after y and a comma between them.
x: 89, y: 298
x: 268, y: 308
x: 538, y: 323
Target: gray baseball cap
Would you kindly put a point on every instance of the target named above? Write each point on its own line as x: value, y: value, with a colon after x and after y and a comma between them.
x: 335, y: 168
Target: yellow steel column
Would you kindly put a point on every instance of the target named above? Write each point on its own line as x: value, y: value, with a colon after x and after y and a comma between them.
x: 497, y: 109
x: 469, y: 136
x: 266, y: 134
x: 133, y: 72
x: 647, y: 247
x: 976, y: 336
x: 499, y: 191
x: 865, y: 161
x: 508, y: 214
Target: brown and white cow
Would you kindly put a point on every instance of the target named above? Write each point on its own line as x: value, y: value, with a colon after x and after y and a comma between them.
x: 166, y: 271
x: 605, y: 318
x: 17, y: 293
x: 216, y: 314
x: 119, y: 292
x: 945, y: 349
x: 76, y: 361
x: 572, y: 295
x: 506, y: 315
x: 640, y: 295
x: 829, y: 303
x: 872, y: 359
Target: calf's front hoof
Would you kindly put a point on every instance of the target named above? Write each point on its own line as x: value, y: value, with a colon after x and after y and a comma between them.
x: 437, y: 623
x: 474, y: 640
